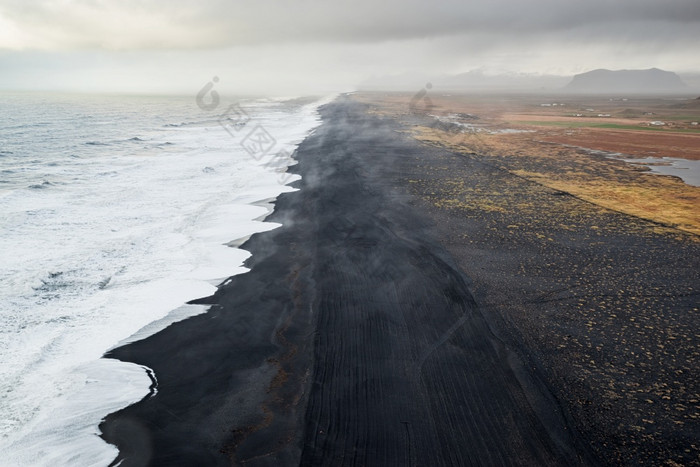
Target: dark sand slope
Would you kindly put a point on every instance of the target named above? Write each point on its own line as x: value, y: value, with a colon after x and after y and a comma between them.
x: 354, y: 340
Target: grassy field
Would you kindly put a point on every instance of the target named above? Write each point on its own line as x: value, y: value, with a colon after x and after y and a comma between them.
x: 556, y: 150
x: 615, y: 126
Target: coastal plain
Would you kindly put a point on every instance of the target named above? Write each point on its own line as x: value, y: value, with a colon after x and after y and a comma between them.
x: 591, y: 261
x: 447, y: 288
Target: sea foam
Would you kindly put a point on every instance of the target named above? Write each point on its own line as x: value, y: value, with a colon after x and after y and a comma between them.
x: 132, y: 220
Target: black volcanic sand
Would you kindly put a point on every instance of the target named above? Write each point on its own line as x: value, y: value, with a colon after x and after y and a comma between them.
x: 357, y: 338
x: 604, y: 304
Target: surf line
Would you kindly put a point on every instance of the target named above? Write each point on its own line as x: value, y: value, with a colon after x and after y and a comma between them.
x: 153, y: 388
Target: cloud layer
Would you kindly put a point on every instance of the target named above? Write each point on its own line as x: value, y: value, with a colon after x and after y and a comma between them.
x: 177, y: 24
x: 331, y: 44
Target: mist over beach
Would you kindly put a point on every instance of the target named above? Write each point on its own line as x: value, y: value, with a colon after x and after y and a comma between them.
x: 397, y: 233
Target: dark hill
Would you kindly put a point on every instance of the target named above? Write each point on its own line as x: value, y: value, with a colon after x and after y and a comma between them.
x: 627, y: 82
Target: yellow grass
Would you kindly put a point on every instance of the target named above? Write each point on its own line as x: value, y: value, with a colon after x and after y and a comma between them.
x: 607, y: 183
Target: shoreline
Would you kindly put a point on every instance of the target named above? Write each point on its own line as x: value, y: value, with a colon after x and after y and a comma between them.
x: 129, y: 223
x: 384, y: 323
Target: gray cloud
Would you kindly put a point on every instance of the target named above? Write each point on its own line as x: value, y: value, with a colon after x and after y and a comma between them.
x: 158, y: 45
x: 131, y: 24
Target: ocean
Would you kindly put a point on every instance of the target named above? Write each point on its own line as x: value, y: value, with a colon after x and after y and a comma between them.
x: 116, y: 211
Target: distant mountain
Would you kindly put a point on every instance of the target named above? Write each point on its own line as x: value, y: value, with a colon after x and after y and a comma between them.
x: 627, y: 82
x: 593, y: 82
x: 515, y: 82
x: 475, y: 80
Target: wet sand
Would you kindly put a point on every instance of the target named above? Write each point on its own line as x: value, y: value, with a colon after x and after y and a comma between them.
x: 381, y: 327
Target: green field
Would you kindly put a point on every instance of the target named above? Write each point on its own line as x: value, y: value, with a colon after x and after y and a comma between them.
x: 612, y: 126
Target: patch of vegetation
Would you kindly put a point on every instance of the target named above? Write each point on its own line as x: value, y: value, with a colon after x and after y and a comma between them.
x: 613, y: 126
x: 606, y: 183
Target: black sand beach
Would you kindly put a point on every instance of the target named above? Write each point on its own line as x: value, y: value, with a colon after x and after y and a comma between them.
x: 395, y: 321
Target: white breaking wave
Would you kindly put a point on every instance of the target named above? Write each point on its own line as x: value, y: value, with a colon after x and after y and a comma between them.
x: 114, y: 212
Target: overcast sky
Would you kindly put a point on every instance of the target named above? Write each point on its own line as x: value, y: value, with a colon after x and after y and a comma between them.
x: 303, y: 46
